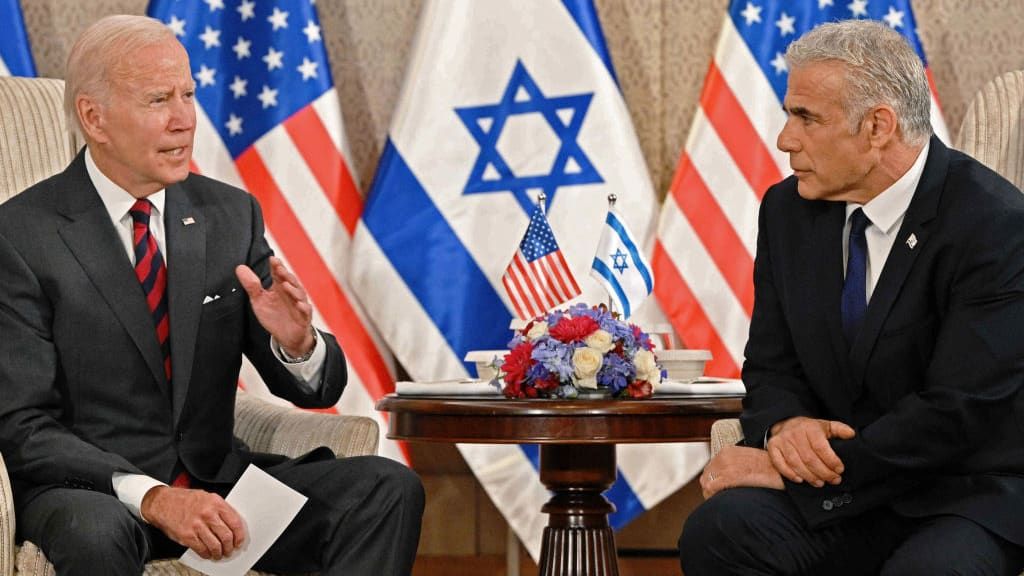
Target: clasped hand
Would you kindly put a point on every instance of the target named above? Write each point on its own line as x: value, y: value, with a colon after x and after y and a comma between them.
x: 283, y: 309
x: 800, y: 451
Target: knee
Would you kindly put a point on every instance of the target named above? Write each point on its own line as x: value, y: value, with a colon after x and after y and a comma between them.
x: 398, y: 481
x: 704, y: 530
x: 108, y: 537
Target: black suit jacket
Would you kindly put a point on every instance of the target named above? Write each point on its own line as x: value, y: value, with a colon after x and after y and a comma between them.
x: 933, y: 382
x: 84, y: 391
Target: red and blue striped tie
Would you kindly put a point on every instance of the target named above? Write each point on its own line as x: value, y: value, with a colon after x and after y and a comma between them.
x: 152, y: 274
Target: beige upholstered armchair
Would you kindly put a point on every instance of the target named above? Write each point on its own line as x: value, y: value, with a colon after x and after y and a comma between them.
x: 34, y: 144
x: 993, y: 128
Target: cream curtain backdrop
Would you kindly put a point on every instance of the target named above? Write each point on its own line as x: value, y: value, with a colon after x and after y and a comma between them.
x: 661, y: 50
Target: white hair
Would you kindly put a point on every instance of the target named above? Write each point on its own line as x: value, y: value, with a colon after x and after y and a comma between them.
x: 881, y: 68
x: 97, y: 58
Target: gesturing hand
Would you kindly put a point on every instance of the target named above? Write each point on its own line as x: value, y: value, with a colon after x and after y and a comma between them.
x: 737, y: 466
x: 200, y: 520
x: 283, y: 309
x: 800, y: 451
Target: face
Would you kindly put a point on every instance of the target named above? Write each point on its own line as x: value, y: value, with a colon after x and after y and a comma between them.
x: 141, y: 136
x: 829, y: 162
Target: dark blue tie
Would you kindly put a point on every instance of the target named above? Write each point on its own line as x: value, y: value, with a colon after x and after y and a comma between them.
x: 855, y: 301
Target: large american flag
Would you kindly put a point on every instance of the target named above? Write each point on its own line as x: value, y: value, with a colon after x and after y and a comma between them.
x: 269, y: 121
x: 538, y: 278
x: 704, y: 254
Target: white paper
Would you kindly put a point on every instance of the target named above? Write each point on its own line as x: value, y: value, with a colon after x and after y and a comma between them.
x: 447, y: 388
x: 267, y: 506
x: 702, y: 387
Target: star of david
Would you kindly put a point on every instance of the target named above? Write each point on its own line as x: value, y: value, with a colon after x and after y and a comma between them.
x: 619, y: 260
x: 563, y: 114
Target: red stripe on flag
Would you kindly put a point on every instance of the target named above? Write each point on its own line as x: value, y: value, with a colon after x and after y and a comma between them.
x: 736, y: 132
x: 330, y: 299
x: 563, y: 269
x: 513, y: 294
x: 715, y: 230
x: 533, y: 298
x: 540, y: 278
x: 687, y: 315
x: 314, y: 143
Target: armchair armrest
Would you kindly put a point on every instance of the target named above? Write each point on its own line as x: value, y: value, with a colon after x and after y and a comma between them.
x: 274, y: 429
x: 6, y: 522
x: 725, y: 433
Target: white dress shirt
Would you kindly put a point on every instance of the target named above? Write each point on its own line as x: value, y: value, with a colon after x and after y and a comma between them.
x: 885, y: 213
x: 131, y: 488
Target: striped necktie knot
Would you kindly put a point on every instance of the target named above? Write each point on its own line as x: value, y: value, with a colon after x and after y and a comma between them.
x: 152, y: 275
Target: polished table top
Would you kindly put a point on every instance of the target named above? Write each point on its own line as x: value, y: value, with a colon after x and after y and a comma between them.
x: 496, y: 420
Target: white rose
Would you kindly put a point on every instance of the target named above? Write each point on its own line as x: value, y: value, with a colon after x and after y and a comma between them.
x: 586, y: 362
x: 600, y: 341
x: 646, y: 367
x: 537, y: 330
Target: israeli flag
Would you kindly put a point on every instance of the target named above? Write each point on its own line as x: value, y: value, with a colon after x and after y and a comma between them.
x: 15, y: 55
x: 502, y: 101
x: 620, y: 266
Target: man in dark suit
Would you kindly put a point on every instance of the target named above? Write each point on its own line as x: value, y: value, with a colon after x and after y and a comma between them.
x: 131, y: 289
x: 884, y: 416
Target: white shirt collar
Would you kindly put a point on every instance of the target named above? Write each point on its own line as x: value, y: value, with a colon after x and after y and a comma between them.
x: 887, y: 209
x: 115, y: 199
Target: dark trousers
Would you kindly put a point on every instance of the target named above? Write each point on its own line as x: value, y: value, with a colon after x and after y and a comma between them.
x: 753, y: 531
x: 362, y: 518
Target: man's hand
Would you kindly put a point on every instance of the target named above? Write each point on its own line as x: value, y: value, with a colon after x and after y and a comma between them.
x: 800, y: 451
x: 737, y: 466
x: 200, y: 520
x: 283, y: 309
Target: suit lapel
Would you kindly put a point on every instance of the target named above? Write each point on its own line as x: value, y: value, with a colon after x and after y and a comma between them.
x: 91, y: 237
x: 901, y: 258
x: 186, y: 276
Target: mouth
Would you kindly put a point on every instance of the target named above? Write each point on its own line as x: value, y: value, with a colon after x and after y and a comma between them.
x: 178, y: 152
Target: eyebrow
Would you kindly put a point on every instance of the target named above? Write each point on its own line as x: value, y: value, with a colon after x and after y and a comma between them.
x: 800, y: 111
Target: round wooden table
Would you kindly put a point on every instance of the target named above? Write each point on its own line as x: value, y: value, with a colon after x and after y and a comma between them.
x: 577, y: 454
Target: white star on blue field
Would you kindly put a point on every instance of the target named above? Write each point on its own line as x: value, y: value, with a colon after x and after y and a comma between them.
x: 563, y: 114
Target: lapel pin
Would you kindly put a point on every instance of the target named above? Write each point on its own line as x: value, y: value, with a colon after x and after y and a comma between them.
x: 188, y: 221
x: 912, y: 241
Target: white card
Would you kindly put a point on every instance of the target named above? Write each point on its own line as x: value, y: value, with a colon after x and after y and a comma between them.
x: 267, y: 506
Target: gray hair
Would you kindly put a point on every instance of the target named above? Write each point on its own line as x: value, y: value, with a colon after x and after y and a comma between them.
x: 881, y: 68
x: 96, y: 59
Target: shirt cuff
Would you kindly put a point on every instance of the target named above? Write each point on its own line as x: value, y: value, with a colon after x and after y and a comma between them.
x: 309, y: 372
x: 131, y: 488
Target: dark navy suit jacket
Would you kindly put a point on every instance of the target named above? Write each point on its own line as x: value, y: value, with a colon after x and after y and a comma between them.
x: 933, y: 383
x: 84, y: 393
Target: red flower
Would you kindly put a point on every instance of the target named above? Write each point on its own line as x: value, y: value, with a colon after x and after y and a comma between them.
x: 517, y: 362
x: 574, y: 329
x: 639, y: 389
x: 546, y: 384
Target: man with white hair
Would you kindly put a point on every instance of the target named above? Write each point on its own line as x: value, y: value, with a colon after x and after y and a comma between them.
x: 884, y: 416
x: 131, y: 289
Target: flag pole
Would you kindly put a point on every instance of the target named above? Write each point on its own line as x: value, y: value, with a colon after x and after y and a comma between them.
x: 612, y: 198
x: 541, y: 198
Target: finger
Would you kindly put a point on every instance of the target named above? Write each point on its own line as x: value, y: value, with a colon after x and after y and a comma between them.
x: 839, y: 430
x: 234, y: 523
x: 249, y: 280
x: 295, y: 293
x: 824, y: 452
x: 796, y: 461
x: 210, y: 541
x: 281, y: 274
x: 225, y: 536
x: 781, y: 466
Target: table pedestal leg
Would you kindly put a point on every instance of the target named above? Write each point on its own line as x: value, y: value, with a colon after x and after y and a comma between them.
x: 578, y: 540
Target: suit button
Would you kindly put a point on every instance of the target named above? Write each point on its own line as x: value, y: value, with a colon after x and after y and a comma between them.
x: 827, y: 505
x: 847, y: 498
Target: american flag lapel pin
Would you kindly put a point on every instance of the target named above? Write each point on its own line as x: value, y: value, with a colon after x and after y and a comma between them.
x: 911, y: 241
x: 188, y: 221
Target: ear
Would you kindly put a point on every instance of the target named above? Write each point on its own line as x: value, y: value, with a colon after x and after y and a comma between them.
x: 882, y: 125
x: 91, y: 117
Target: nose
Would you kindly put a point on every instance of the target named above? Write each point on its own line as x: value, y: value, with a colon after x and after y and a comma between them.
x: 786, y: 141
x: 183, y: 115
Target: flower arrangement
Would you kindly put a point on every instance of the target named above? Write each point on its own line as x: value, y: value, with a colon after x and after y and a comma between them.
x: 564, y: 352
